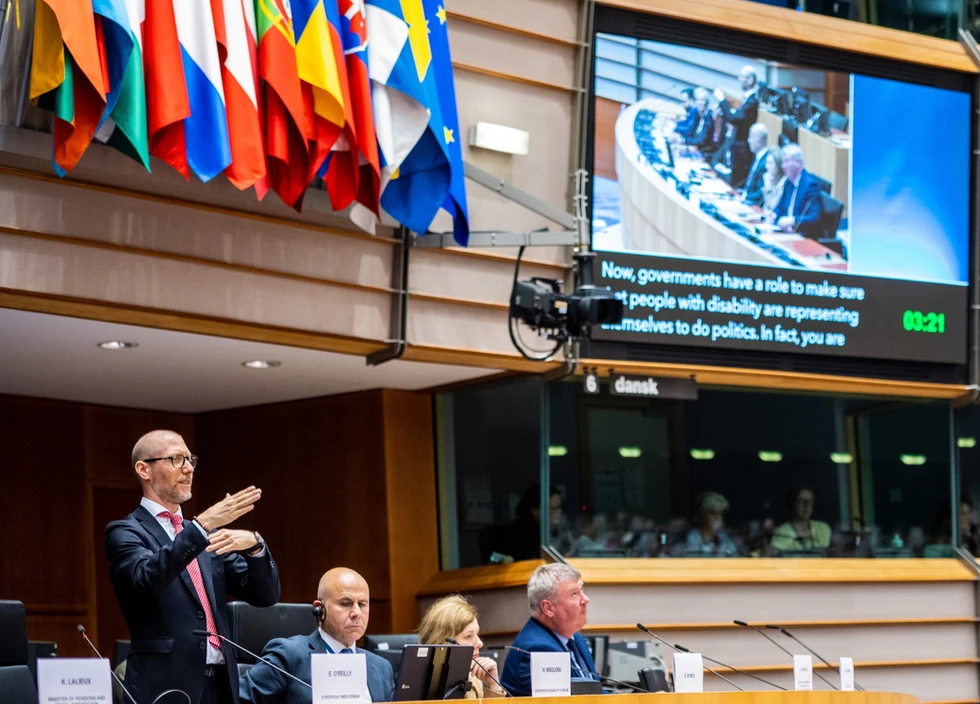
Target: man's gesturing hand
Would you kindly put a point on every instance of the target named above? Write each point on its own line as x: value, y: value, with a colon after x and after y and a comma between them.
x: 229, y: 508
x: 227, y: 540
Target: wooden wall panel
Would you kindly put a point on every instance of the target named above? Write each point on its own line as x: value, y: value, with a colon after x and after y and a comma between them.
x: 410, y: 478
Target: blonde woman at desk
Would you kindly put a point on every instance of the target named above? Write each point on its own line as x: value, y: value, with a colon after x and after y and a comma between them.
x: 453, y: 619
x: 773, y: 180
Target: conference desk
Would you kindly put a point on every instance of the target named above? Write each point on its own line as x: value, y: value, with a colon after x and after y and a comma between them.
x: 827, y: 157
x: 672, y: 202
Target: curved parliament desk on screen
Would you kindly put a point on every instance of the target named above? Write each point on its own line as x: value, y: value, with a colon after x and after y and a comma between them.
x: 910, y: 624
x: 735, y: 698
x: 672, y: 202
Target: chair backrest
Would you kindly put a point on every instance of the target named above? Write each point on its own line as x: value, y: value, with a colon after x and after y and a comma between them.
x: 17, y: 685
x: 13, y: 626
x: 824, y: 184
x: 838, y: 122
x: 253, y: 626
x: 654, y: 680
x: 833, y: 210
x: 39, y: 649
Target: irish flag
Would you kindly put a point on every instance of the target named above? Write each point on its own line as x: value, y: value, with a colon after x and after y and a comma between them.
x: 67, y: 76
x: 124, y: 120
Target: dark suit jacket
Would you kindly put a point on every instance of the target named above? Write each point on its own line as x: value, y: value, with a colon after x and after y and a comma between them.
x: 756, y: 179
x: 263, y: 685
x: 808, y: 207
x: 700, y: 131
x: 536, y: 637
x: 742, y: 117
x: 161, y: 606
x: 686, y: 126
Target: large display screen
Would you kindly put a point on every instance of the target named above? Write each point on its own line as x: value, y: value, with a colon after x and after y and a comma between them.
x: 752, y: 204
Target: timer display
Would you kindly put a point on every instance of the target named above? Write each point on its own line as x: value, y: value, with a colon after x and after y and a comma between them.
x: 917, y: 321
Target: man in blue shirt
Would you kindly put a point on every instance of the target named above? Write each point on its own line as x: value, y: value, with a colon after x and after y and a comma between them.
x: 559, y: 609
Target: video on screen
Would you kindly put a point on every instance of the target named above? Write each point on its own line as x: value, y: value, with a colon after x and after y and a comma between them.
x: 707, y: 155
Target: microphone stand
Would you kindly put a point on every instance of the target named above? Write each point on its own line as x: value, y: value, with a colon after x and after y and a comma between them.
x: 812, y: 652
x: 271, y: 664
x: 674, y: 647
x: 81, y: 630
x: 773, y: 641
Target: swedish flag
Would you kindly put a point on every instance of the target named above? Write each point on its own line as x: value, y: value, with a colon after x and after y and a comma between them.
x: 427, y: 178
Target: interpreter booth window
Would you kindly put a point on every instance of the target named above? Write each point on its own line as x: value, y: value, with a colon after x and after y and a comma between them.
x: 967, y: 497
x: 489, y: 460
x: 746, y: 474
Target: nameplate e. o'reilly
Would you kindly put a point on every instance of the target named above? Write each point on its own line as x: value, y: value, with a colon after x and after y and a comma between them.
x: 652, y: 387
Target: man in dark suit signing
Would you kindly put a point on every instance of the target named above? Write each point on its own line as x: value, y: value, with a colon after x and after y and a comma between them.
x: 171, y: 577
x: 559, y: 609
x: 343, y: 604
x: 741, y: 118
x: 800, y: 207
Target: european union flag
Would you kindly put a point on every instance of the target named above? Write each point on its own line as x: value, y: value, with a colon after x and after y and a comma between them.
x: 455, y: 203
x: 424, y: 181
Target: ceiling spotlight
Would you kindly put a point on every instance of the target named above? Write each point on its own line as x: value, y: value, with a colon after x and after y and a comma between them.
x: 262, y: 364
x: 117, y: 345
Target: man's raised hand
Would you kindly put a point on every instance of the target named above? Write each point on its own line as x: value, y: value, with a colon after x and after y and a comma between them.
x: 229, y: 509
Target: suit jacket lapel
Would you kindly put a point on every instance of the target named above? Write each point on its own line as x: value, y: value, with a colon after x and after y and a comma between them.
x: 374, y: 682
x: 150, y: 524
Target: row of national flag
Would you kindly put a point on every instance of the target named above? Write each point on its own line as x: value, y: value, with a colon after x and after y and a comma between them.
x: 270, y: 93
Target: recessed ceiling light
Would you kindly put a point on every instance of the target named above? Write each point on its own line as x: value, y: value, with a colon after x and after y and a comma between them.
x: 262, y: 364
x: 117, y: 345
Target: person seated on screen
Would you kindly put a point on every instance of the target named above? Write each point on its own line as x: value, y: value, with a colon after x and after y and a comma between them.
x: 759, y: 146
x: 685, y: 126
x: 559, y: 609
x: 452, y: 619
x: 703, y: 126
x: 710, y: 537
x: 800, y: 207
x: 801, y: 532
x: 773, y: 180
x: 343, y: 603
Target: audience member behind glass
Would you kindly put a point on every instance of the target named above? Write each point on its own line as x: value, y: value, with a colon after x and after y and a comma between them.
x: 773, y: 180
x: 710, y: 538
x: 759, y: 146
x: 801, y: 532
x: 455, y: 617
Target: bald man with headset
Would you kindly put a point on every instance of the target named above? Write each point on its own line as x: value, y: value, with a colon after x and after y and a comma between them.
x: 342, y: 606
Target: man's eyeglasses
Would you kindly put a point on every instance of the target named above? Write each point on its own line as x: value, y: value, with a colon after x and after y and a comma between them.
x: 176, y: 460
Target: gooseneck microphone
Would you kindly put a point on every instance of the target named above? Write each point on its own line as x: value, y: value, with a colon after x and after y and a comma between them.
x: 229, y: 641
x: 81, y: 630
x: 731, y: 667
x: 453, y: 641
x: 817, y: 655
x: 601, y: 677
x: 685, y: 650
x: 765, y: 635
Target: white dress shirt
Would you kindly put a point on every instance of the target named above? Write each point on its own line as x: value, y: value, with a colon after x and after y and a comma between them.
x: 336, y: 646
x: 215, y: 656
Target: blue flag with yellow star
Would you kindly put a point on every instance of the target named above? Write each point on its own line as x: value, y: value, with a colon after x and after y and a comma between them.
x: 423, y: 182
x: 455, y: 203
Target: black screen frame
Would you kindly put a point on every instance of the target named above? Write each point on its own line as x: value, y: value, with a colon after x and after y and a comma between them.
x: 629, y: 23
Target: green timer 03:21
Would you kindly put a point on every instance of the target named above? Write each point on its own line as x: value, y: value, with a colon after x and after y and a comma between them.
x: 917, y: 321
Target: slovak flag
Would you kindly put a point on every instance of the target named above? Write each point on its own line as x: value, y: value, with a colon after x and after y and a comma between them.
x: 208, y: 148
